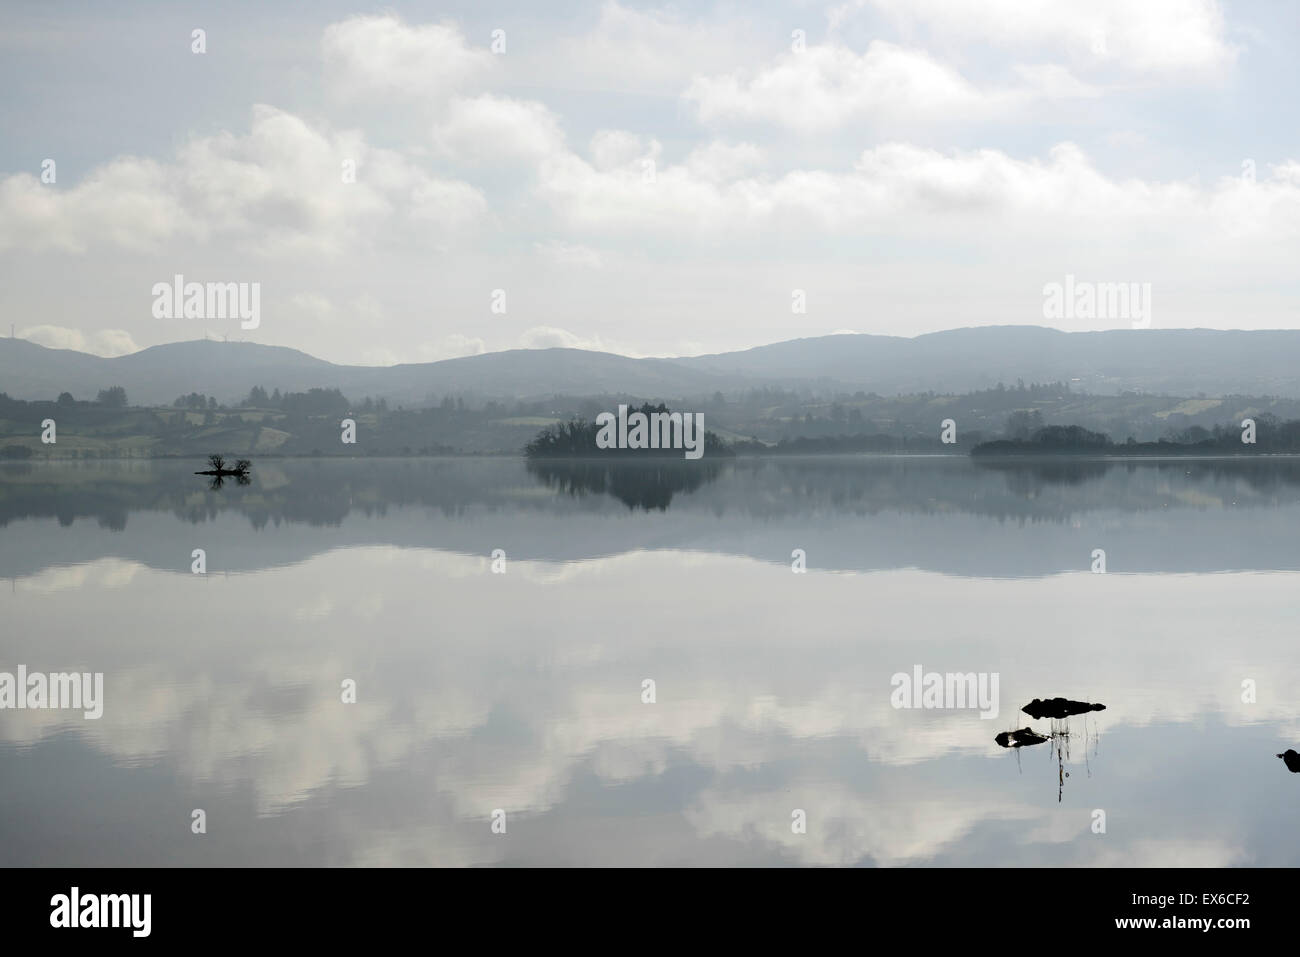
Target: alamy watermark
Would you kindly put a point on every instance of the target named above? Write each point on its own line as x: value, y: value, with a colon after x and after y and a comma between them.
x: 56, y: 691
x: 657, y: 430
x: 179, y: 299
x: 75, y: 909
x: 1076, y: 299
x: 932, y: 690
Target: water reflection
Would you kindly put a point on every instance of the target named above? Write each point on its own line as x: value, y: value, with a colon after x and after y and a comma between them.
x: 1022, y: 738
x: 648, y: 485
x: 219, y: 481
x: 848, y: 514
x: 1025, y: 475
x: 524, y: 691
x: 1059, y: 710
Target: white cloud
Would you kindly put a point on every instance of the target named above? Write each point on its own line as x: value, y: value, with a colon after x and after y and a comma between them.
x: 465, y: 182
x: 312, y: 304
x: 382, y: 56
x: 491, y: 130
x: 717, y: 162
x: 379, y: 356
x: 279, y: 187
x: 828, y: 86
x: 366, y: 310
x: 825, y: 86
x: 646, y: 51
x: 611, y: 149
x: 1151, y: 36
x: 569, y: 254
x: 121, y: 202
x: 550, y: 337
x: 1047, y: 81
x: 898, y: 188
x: 452, y: 347
x: 104, y: 342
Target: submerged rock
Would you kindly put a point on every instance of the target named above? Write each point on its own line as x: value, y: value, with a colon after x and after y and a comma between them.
x: 1019, y: 739
x: 1058, y: 708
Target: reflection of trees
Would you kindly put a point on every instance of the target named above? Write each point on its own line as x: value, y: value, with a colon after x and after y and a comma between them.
x: 296, y: 491
x: 1261, y: 472
x: 316, y: 492
x: 1264, y: 474
x: 240, y: 478
x: 644, y: 484
x: 1027, y: 475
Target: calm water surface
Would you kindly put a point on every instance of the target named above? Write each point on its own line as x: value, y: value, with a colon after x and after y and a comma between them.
x: 522, y: 691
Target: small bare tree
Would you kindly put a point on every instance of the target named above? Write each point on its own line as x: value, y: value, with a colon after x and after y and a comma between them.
x: 217, y: 462
x: 242, y: 465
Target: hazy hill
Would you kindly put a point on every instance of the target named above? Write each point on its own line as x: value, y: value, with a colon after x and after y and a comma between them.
x: 228, y: 370
x: 1175, y: 361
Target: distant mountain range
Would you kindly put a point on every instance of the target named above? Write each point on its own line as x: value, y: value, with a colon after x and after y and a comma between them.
x: 1184, y: 362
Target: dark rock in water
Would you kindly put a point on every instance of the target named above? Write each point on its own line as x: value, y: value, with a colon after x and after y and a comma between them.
x: 1291, y: 759
x: 1058, y: 708
x: 1019, y: 739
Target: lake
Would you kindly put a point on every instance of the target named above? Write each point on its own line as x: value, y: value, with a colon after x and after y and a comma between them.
x: 640, y: 676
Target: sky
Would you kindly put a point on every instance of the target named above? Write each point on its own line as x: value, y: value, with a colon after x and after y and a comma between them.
x: 416, y: 182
